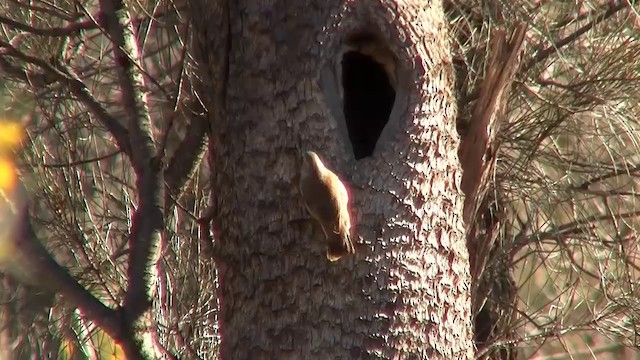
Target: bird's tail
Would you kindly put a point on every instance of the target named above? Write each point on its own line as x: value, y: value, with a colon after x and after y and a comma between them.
x: 339, y: 245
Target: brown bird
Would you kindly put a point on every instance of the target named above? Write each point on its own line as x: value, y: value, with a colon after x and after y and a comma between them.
x: 327, y: 200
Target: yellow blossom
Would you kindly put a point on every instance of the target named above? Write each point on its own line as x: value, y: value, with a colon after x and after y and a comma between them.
x: 8, y: 175
x: 10, y: 135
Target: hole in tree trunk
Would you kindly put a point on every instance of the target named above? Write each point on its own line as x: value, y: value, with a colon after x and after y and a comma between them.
x: 368, y: 81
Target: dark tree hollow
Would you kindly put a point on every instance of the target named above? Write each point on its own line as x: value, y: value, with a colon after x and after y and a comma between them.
x: 368, y: 100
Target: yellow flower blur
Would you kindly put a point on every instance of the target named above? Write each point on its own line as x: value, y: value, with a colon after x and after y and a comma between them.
x: 10, y: 138
x: 8, y: 175
x: 10, y: 135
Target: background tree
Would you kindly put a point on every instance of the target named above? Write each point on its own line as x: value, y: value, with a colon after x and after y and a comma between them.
x: 549, y: 175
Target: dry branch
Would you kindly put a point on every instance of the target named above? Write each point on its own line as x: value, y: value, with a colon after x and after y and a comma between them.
x: 77, y: 88
x: 42, y: 270
x: 148, y: 219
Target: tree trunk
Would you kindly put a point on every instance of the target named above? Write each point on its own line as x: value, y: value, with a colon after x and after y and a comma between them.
x: 405, y: 294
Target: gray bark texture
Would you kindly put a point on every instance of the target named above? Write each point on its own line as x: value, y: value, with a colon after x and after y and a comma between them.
x: 405, y: 293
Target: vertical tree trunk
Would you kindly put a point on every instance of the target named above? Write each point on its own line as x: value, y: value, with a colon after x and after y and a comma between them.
x: 405, y: 294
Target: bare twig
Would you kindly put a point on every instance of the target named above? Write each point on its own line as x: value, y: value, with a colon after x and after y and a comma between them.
x: 574, y: 227
x: 632, y: 170
x: 82, y: 162
x: 77, y: 88
x: 550, y: 50
x: 70, y: 29
x: 45, y: 272
x: 51, y: 9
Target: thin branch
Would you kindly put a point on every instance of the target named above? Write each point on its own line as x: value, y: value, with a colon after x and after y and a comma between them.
x: 630, y: 171
x: 43, y: 271
x: 134, y: 92
x: 545, y: 53
x: 148, y: 220
x: 187, y: 157
x: 52, y: 10
x: 78, y: 89
x: 71, y: 29
x: 95, y: 21
x: 177, y: 99
x: 81, y: 162
x: 573, y: 227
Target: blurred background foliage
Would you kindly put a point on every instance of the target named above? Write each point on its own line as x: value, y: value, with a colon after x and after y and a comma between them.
x: 565, y: 183
x: 81, y: 187
x: 563, y: 191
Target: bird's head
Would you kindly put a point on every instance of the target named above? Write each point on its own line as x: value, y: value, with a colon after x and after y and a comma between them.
x: 311, y: 162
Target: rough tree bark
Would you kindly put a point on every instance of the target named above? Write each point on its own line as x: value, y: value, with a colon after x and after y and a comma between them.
x: 406, y: 292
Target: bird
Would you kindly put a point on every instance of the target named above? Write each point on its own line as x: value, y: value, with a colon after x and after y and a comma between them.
x: 327, y: 201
